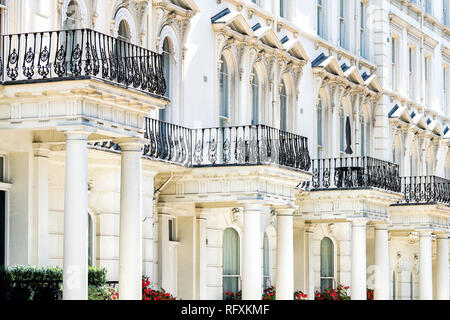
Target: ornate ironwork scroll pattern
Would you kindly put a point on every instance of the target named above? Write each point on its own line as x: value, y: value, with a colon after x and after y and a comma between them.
x: 81, y: 53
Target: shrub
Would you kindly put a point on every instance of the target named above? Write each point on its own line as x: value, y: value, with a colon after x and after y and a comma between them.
x: 39, y: 282
x: 340, y: 293
x: 96, y: 276
x: 299, y: 295
x: 102, y: 293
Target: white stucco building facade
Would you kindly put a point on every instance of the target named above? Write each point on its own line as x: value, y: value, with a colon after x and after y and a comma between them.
x: 228, y: 145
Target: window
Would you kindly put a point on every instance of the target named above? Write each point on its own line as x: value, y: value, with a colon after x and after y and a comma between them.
x: 283, y: 108
x: 341, y: 131
x: 266, y: 262
x: 394, y: 63
x: 428, y: 6
x: 2, y: 169
x: 72, y: 23
x: 255, y: 98
x: 320, y: 20
x: 342, y: 31
x: 231, y: 261
x: 172, y: 229
x: 319, y: 129
x: 166, y: 52
x: 427, y: 67
x: 283, y: 8
x: 91, y: 238
x: 410, y: 72
x: 362, y: 31
x: 224, y: 116
x: 257, y: 2
x: 3, y: 228
x: 326, y: 264
x: 445, y: 6
x: 363, y: 137
x: 445, y: 98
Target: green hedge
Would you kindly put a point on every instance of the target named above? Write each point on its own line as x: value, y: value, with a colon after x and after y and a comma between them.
x: 39, y: 283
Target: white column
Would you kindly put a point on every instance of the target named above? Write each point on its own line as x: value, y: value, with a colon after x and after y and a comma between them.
x: 251, y: 255
x: 40, y: 208
x: 285, y: 254
x: 381, y: 262
x: 75, y: 264
x: 358, y: 287
x: 425, y: 266
x: 130, y: 229
x: 442, y: 267
x: 310, y: 253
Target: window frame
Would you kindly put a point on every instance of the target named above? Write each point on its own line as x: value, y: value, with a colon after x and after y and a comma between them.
x: 362, y: 30
x: 333, y: 278
x: 239, y: 253
x: 224, y: 93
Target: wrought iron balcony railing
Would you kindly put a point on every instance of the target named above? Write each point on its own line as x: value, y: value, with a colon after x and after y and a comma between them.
x: 425, y: 189
x: 80, y: 54
x: 355, y: 172
x: 237, y: 145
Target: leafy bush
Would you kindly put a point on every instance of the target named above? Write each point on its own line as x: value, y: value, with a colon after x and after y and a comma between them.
x: 102, y: 293
x: 96, y: 276
x: 39, y: 283
x: 233, y: 295
x: 370, y: 293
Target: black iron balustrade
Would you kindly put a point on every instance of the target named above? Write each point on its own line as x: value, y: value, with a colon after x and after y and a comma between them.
x: 249, y: 145
x: 425, y: 189
x: 168, y: 142
x: 355, y: 172
x: 237, y: 145
x: 80, y: 54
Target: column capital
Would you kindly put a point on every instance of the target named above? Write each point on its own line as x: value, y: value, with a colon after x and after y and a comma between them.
x: 441, y: 235
x: 76, y: 132
x: 310, y: 227
x: 285, y: 212
x: 256, y: 205
x: 41, y: 149
x: 381, y: 226
x: 425, y: 233
x: 130, y: 143
x: 359, y: 222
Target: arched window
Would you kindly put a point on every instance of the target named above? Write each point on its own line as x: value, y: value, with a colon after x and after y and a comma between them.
x: 123, y: 37
x: 71, y: 23
x: 326, y: 264
x: 255, y: 98
x: 266, y: 262
x: 224, y: 94
x: 91, y: 236
x: 73, y: 17
x: 283, y: 8
x: 319, y: 130
x: 231, y: 261
x: 341, y: 131
x: 363, y: 136
x: 342, y: 25
x: 166, y: 53
x: 283, y: 107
